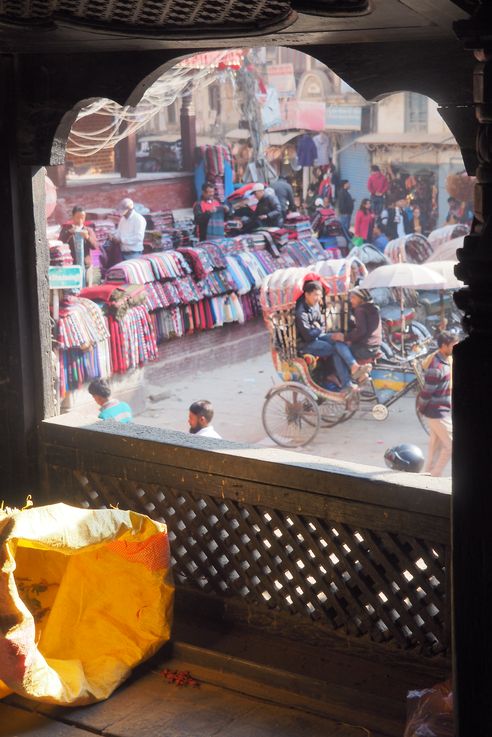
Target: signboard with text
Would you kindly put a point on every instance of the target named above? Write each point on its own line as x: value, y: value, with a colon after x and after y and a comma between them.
x: 343, y: 117
x: 281, y: 76
x: 65, y: 277
x: 300, y: 114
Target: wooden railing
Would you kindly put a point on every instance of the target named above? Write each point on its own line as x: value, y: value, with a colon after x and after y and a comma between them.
x: 295, y: 544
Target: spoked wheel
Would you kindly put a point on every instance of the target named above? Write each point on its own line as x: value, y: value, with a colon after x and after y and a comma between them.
x: 380, y: 412
x: 291, y: 416
x: 334, y: 412
x: 422, y: 419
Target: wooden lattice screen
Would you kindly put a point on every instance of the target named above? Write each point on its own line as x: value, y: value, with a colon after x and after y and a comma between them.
x: 385, y: 586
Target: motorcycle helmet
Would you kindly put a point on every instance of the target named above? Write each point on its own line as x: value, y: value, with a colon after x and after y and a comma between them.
x: 405, y: 457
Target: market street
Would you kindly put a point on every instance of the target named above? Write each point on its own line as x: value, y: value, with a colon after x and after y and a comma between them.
x: 237, y: 392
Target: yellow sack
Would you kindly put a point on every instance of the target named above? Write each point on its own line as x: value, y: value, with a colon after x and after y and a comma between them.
x: 85, y: 595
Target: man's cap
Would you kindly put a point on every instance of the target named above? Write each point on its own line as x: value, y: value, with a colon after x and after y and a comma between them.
x: 364, y: 294
x: 125, y: 204
x: 257, y: 187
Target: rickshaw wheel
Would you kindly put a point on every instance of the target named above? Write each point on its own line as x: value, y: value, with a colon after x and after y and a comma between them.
x: 291, y: 416
x: 338, y: 412
x: 422, y: 419
x: 380, y: 412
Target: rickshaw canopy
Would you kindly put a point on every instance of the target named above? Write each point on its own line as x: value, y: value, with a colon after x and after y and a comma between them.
x: 282, y: 289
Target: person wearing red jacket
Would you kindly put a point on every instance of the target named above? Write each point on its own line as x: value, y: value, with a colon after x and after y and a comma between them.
x: 364, y: 221
x: 377, y: 184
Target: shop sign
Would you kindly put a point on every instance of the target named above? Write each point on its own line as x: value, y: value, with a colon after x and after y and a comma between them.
x: 300, y: 114
x: 344, y: 117
x: 281, y: 76
x: 65, y: 277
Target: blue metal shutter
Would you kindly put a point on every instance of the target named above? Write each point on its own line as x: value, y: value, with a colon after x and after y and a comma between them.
x: 354, y: 164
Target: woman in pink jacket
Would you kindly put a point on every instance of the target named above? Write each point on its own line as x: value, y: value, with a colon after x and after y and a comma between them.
x: 364, y: 221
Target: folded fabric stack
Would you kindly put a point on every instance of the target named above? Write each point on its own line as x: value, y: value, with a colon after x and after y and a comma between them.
x: 198, y: 260
x: 218, y: 282
x: 60, y: 254
x: 280, y: 236
x: 299, y: 227
x: 168, y: 265
x: 161, y: 296
x: 153, y: 240
x: 134, y: 271
x: 216, y: 254
x: 162, y: 220
x: 104, y: 229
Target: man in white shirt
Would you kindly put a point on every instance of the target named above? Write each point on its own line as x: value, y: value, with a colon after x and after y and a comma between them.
x: 130, y: 231
x: 200, y: 417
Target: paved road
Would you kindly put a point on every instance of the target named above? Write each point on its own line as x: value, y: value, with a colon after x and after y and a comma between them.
x: 237, y: 392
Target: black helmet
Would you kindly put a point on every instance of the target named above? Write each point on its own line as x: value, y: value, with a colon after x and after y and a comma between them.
x: 405, y: 457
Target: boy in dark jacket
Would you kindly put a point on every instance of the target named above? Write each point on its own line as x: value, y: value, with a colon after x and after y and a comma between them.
x: 365, y: 336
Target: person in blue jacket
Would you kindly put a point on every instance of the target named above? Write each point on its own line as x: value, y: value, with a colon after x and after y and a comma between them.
x: 111, y: 409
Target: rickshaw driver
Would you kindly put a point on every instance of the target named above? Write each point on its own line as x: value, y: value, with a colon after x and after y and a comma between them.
x: 312, y: 340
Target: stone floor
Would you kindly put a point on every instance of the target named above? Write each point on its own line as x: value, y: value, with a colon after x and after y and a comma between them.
x: 149, y: 706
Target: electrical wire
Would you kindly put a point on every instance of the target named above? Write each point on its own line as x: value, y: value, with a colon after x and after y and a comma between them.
x: 199, y: 70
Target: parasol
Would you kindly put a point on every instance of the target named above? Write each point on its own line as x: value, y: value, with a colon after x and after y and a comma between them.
x: 446, y: 270
x: 446, y: 251
x: 405, y: 276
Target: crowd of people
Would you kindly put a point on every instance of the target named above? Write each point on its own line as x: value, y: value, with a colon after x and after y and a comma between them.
x: 397, y: 204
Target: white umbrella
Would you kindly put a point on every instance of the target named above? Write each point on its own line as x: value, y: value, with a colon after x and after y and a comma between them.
x: 446, y: 270
x: 446, y: 251
x: 403, y: 275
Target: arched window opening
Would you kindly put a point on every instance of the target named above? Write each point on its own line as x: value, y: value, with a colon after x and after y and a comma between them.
x: 175, y: 312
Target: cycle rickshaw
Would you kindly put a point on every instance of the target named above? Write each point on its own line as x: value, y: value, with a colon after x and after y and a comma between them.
x: 295, y: 409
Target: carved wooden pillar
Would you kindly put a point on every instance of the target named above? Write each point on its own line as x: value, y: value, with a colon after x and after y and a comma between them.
x: 127, y: 149
x: 472, y: 413
x: 188, y: 130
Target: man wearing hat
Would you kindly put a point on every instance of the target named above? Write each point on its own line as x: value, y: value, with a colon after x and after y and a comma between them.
x: 130, y: 231
x: 365, y: 335
x: 268, y: 213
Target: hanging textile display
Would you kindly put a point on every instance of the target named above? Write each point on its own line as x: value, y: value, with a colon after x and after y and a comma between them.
x: 115, y: 327
x: 83, y: 338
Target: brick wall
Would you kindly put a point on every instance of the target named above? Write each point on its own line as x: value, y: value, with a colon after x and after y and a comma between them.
x: 160, y: 194
x: 103, y: 161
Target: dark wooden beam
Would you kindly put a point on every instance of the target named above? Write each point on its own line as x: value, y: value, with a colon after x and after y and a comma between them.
x: 188, y: 131
x: 25, y: 342
x: 127, y: 149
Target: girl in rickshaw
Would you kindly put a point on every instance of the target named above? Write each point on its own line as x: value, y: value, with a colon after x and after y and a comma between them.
x: 312, y: 340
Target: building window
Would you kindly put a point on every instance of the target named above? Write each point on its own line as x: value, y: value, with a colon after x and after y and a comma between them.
x: 416, y: 112
x: 171, y: 114
x: 214, y: 98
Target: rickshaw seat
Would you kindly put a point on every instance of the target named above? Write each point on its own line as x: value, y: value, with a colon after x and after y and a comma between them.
x: 311, y: 361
